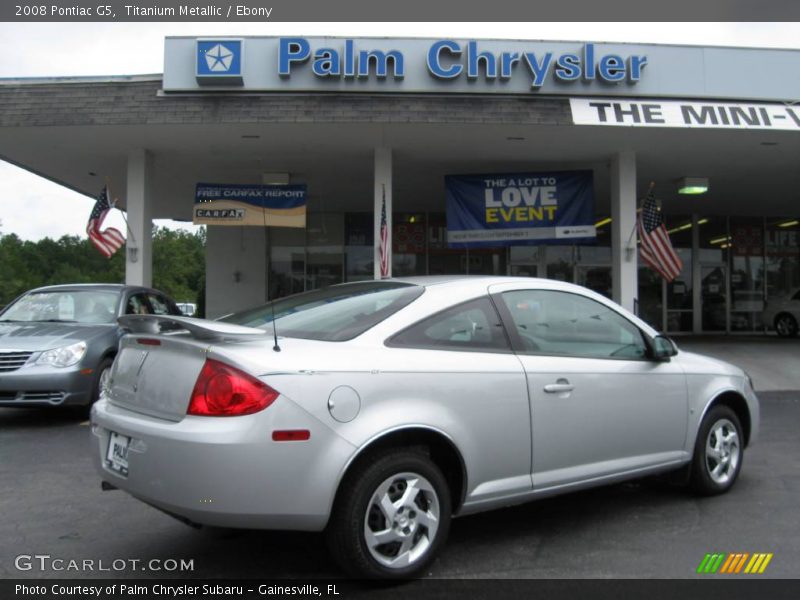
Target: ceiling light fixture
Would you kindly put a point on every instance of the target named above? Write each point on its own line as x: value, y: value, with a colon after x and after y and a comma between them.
x: 603, y: 222
x: 693, y: 185
x: 720, y: 240
x: 789, y: 223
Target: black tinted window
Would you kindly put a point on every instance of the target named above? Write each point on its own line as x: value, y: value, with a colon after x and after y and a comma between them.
x: 473, y: 325
x: 334, y: 314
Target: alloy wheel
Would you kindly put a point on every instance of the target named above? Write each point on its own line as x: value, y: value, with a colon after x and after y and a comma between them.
x: 723, y: 451
x: 401, y: 520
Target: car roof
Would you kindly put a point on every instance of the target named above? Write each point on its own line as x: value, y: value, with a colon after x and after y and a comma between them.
x: 480, y: 281
x: 107, y: 287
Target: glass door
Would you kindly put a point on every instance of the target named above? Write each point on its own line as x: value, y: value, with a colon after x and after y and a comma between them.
x: 595, y: 277
x: 714, y: 297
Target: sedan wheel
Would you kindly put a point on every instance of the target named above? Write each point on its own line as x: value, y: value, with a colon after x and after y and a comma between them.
x: 393, y: 519
x: 719, y: 451
x: 102, y: 379
x: 786, y: 325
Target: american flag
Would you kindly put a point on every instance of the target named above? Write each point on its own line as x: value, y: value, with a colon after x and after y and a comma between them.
x: 384, y: 239
x: 108, y: 240
x: 656, y: 249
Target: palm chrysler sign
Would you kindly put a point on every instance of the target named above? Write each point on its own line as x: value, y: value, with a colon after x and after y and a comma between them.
x: 396, y: 65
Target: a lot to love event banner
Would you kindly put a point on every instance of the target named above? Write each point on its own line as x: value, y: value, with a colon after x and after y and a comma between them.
x: 520, y: 209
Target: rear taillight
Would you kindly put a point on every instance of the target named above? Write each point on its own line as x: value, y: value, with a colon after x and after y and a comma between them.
x: 223, y: 391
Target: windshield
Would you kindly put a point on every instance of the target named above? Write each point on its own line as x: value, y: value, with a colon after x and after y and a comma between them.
x: 332, y: 314
x: 74, y: 306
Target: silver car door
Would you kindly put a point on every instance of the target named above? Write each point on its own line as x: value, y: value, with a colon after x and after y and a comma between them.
x: 599, y: 406
x: 459, y: 365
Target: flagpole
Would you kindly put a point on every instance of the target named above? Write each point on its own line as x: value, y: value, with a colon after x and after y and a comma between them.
x: 114, y: 205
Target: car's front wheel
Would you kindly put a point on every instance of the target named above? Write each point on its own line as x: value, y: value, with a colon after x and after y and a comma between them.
x: 786, y: 325
x: 391, y: 517
x: 102, y: 378
x: 719, y: 451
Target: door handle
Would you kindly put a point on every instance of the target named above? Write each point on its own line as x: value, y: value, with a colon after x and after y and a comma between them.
x: 559, y: 387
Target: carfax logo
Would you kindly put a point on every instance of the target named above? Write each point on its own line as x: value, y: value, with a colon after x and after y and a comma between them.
x: 734, y: 563
x: 219, y: 62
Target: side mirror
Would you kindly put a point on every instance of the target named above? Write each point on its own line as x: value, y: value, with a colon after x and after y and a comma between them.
x: 663, y: 348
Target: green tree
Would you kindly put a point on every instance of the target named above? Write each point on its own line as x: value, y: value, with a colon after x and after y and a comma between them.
x: 178, y: 264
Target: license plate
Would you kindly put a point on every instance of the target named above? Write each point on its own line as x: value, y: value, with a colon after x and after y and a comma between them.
x: 117, y: 454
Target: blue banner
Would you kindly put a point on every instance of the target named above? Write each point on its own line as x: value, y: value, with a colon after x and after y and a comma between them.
x: 256, y: 205
x: 520, y: 209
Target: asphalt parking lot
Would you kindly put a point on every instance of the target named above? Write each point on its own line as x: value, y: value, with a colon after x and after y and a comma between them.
x: 52, y: 504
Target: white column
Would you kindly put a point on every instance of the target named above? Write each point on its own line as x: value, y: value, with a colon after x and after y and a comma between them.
x: 139, y: 246
x: 623, y: 214
x: 383, y: 185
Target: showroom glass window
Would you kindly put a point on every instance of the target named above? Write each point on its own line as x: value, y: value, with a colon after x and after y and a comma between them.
x: 746, y: 273
x: 564, y: 324
x: 782, y: 247
x: 680, y: 303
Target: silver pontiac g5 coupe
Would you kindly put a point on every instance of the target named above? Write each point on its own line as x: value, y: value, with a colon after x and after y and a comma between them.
x: 376, y: 411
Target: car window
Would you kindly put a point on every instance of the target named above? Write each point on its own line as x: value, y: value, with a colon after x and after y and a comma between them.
x: 137, y: 305
x: 797, y: 296
x: 334, y: 314
x: 75, y: 306
x: 159, y: 304
x: 561, y: 323
x: 471, y: 326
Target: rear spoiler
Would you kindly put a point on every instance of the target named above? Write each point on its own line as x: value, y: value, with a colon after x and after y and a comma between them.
x: 200, y: 329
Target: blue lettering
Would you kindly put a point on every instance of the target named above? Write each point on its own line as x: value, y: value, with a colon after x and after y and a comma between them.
x: 539, y: 70
x: 611, y: 68
x: 381, y: 60
x: 588, y: 61
x: 507, y: 62
x: 474, y: 59
x: 349, y: 59
x: 434, y: 64
x: 568, y: 67
x: 635, y: 66
x: 291, y: 50
x: 326, y: 62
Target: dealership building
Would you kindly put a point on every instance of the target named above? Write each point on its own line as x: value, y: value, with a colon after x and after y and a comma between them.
x: 373, y: 126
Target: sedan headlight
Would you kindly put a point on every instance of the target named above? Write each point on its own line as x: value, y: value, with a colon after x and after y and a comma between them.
x: 63, y: 357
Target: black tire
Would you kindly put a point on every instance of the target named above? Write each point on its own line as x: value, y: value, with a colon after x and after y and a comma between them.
x: 347, y: 530
x: 718, y: 452
x: 786, y: 325
x: 104, y: 365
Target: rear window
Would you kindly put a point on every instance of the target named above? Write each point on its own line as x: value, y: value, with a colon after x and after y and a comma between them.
x: 333, y: 314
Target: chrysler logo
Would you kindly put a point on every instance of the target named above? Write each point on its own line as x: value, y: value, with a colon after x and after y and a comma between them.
x: 219, y: 59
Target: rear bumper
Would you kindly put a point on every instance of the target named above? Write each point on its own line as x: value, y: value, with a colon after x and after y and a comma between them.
x: 227, y: 471
x: 45, y: 386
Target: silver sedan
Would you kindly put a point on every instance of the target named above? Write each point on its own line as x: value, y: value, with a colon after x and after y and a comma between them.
x: 376, y: 411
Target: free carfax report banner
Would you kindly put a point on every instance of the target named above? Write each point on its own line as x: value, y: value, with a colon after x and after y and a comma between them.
x: 519, y: 209
x: 258, y: 205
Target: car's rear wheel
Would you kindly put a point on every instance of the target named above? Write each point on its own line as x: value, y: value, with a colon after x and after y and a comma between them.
x: 719, y: 451
x: 391, y: 517
x: 786, y: 325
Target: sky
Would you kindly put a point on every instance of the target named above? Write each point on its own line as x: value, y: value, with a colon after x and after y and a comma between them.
x: 61, y: 49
